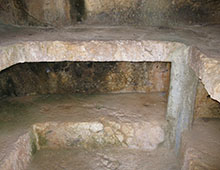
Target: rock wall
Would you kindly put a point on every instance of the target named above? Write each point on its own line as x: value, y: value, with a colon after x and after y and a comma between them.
x: 114, y: 12
x: 84, y: 77
x: 174, y: 12
x: 156, y: 12
x: 50, y: 12
x: 205, y: 106
x: 38, y: 12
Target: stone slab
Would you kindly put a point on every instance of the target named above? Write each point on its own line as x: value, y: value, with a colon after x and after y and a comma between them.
x: 102, y: 43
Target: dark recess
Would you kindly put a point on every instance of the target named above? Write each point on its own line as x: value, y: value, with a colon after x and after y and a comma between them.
x: 77, y: 9
x: 78, y: 77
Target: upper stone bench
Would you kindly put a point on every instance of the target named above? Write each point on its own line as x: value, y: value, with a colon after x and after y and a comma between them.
x: 200, y: 46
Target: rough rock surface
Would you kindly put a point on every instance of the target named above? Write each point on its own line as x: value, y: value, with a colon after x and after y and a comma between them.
x: 21, y: 47
x: 205, y: 107
x: 20, y: 155
x: 114, y: 12
x: 84, y: 77
x: 200, y: 149
x: 208, y: 70
x: 140, y: 135
x: 29, y: 45
x: 38, y: 12
x: 88, y: 135
x: 80, y: 120
x: 50, y: 12
x: 104, y: 159
x: 157, y: 12
x: 175, y: 45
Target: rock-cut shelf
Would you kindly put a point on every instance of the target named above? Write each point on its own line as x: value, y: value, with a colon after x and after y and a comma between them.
x: 111, y: 43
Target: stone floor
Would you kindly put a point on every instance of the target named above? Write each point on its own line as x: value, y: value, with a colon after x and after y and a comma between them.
x: 104, y: 159
x: 200, y: 149
x: 201, y: 145
x: 142, y: 112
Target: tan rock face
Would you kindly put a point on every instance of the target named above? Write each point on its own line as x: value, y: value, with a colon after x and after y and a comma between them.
x: 200, y: 146
x: 20, y: 154
x: 112, y: 12
x: 38, y: 12
x: 146, y: 136
x: 98, y: 6
x: 157, y: 12
x: 205, y: 67
x: 84, y: 77
x: 208, y: 70
x: 142, y: 135
x: 55, y: 12
x: 205, y: 106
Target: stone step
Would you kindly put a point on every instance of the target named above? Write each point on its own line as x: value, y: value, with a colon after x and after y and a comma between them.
x: 139, y: 135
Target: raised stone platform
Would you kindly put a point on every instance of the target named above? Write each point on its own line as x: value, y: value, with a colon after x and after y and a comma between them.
x: 106, y: 43
x: 93, y: 43
x: 31, y: 123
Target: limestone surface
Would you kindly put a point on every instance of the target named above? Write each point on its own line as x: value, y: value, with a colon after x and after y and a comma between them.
x: 79, y: 121
x: 205, y: 106
x: 200, y: 149
x: 20, y: 155
x: 114, y: 12
x: 50, y: 12
x: 192, y: 51
x: 117, y: 44
x: 144, y: 136
x: 104, y: 159
x: 84, y: 77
